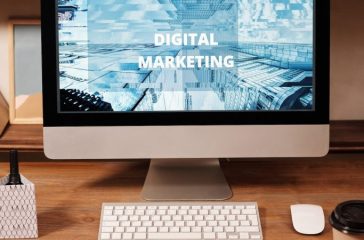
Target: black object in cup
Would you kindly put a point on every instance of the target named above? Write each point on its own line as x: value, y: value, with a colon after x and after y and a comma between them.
x: 14, y: 176
x: 347, y: 221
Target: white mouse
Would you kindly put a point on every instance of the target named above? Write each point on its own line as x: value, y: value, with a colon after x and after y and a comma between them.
x: 308, y: 219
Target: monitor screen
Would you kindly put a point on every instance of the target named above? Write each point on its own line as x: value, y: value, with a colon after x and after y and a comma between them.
x: 186, y: 55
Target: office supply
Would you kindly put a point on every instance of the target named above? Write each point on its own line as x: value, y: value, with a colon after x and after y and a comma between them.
x: 182, y: 220
x: 14, y: 176
x: 347, y: 220
x: 308, y: 219
x: 18, y: 214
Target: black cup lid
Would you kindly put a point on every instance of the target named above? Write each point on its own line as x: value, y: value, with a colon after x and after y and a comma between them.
x: 349, y: 217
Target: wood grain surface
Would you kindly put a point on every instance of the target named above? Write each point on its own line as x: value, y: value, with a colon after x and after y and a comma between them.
x: 69, y: 194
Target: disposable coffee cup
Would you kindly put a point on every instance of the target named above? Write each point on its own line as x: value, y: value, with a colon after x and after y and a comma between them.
x: 347, y: 221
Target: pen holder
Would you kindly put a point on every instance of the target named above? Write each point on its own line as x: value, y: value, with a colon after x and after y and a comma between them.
x: 18, y: 214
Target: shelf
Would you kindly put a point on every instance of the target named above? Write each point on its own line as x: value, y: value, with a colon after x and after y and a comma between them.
x: 346, y: 136
x: 22, y: 137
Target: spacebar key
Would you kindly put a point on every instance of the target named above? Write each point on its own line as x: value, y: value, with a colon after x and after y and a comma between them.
x: 167, y: 236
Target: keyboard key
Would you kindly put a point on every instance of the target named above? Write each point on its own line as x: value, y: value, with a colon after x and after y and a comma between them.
x: 255, y: 237
x: 207, y: 229
x: 161, y: 212
x: 152, y: 229
x: 105, y: 235
x: 125, y: 224
x: 177, y: 218
x: 110, y: 224
x: 220, y: 218
x: 234, y: 223
x: 158, y: 224
x: 190, y: 223
x: 244, y: 223
x: 241, y: 217
x: 249, y: 211
x: 116, y: 236
x: 110, y: 218
x: 230, y: 217
x: 128, y: 212
x: 180, y: 223
x: 248, y: 229
x: 107, y: 229
x: 187, y: 218
x: 130, y: 229
x: 134, y: 218
x: 136, y: 224
x: 127, y: 236
x: 147, y: 223
x: 185, y: 229
x: 229, y: 229
x: 222, y: 235
x: 169, y: 223
x: 244, y: 235
x: 209, y: 235
x: 166, y: 218
x: 233, y: 236
x: 235, y: 212
x: 139, y: 212
x: 174, y: 229
x: 212, y: 223
x: 204, y: 212
x: 253, y: 219
x: 140, y: 236
x: 119, y: 212
x: 171, y: 236
x: 107, y: 212
x: 196, y: 229
x: 119, y: 229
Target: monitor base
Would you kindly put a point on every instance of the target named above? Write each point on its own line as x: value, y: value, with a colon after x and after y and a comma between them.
x: 185, y: 179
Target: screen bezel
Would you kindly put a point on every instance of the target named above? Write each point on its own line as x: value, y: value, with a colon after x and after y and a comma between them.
x: 320, y: 114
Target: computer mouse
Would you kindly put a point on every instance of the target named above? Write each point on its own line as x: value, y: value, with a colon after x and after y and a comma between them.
x: 308, y: 219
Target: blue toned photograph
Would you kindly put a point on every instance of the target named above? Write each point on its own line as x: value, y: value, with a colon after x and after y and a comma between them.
x: 186, y: 55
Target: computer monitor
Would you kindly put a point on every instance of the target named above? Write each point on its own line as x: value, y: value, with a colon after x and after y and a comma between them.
x: 185, y: 82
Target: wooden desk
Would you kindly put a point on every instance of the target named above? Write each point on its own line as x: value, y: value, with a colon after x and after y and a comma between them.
x: 69, y: 194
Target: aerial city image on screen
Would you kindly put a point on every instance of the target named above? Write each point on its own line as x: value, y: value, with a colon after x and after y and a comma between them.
x: 185, y: 55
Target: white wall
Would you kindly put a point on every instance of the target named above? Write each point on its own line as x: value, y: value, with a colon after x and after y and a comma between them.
x: 347, y: 57
x: 12, y: 9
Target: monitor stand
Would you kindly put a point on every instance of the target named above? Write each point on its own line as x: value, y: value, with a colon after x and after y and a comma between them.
x: 185, y: 179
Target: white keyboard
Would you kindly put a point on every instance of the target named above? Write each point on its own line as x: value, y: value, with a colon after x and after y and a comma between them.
x: 185, y: 221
